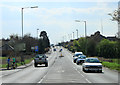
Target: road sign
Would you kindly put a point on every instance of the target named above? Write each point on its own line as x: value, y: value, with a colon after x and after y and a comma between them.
x: 36, y: 48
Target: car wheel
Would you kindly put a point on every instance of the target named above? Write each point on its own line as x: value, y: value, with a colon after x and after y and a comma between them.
x: 46, y: 64
x: 74, y: 61
x: 35, y: 64
x: 83, y: 69
x: 77, y: 63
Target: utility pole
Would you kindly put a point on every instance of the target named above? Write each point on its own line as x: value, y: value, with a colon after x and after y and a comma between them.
x: 77, y: 33
x: 22, y: 17
x: 101, y: 27
x: 37, y: 33
x: 85, y: 33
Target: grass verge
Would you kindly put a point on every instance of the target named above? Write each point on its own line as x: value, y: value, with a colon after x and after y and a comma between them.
x: 18, y: 64
x: 113, y: 66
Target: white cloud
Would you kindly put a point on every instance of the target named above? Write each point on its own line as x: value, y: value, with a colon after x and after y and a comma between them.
x: 64, y: 10
x: 11, y: 8
x: 47, y: 17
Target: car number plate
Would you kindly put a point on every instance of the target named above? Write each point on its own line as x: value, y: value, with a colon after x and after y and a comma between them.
x: 93, y: 69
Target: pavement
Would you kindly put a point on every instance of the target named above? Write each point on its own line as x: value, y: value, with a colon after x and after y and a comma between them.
x: 19, y: 67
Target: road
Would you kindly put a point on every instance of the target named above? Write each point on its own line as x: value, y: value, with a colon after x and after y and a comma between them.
x: 60, y: 70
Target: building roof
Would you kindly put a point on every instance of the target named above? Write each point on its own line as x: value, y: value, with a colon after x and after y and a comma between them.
x: 6, y: 47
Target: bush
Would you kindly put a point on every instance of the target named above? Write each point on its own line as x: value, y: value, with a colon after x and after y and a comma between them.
x: 107, y: 49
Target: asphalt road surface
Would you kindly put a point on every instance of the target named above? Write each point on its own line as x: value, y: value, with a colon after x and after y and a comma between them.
x: 60, y: 70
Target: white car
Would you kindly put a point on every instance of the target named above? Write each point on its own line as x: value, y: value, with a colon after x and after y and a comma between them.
x: 76, y: 56
x: 92, y: 64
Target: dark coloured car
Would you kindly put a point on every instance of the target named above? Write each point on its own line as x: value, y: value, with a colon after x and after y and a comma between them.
x: 40, y: 59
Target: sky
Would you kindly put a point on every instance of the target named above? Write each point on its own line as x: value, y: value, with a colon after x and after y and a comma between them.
x: 57, y: 18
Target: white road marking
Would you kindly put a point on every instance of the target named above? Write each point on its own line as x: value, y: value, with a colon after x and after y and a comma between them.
x: 82, y: 75
x: 78, y: 72
x: 42, y: 78
x: 88, y: 81
x: 63, y: 71
x: 44, y: 75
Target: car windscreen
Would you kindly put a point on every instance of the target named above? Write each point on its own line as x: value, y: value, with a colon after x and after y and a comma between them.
x: 82, y: 57
x: 92, y: 61
x: 77, y: 54
x: 39, y: 56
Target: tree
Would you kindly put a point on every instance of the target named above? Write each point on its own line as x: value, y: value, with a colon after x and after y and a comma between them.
x: 44, y: 42
x: 107, y: 49
x: 91, y: 47
x: 115, y: 15
x: 76, y: 45
x: 82, y: 44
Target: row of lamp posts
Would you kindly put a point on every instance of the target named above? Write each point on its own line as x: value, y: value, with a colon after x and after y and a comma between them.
x: 77, y: 34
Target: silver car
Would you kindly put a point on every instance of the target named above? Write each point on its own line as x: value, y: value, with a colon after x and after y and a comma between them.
x: 80, y: 59
x: 40, y: 59
x: 76, y: 56
x: 92, y: 64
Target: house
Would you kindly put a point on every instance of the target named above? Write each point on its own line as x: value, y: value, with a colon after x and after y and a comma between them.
x: 5, y: 48
x: 98, y: 37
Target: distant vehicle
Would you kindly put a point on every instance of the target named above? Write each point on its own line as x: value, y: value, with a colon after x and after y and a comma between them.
x: 54, y: 49
x: 60, y: 50
x: 40, y: 59
x: 92, y: 64
x: 80, y: 59
x: 76, y: 56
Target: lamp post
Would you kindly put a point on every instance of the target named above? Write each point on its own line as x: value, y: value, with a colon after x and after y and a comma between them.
x: 85, y: 26
x: 22, y: 16
x: 77, y: 33
x: 73, y: 35
x: 37, y: 33
x: 85, y: 33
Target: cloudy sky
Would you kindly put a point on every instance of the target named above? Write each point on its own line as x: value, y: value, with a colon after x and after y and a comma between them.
x: 57, y: 18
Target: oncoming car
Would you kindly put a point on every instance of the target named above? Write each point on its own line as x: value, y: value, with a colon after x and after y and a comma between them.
x: 40, y: 59
x: 92, y: 64
x: 80, y: 59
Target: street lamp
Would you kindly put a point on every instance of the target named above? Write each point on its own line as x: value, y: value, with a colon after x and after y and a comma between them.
x: 77, y: 33
x: 73, y: 35
x: 85, y: 26
x: 37, y: 33
x: 85, y: 33
x: 22, y: 16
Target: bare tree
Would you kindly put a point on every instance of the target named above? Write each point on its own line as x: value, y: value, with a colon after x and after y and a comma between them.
x: 116, y: 17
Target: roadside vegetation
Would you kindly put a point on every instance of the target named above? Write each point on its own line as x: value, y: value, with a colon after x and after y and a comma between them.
x: 107, y: 51
x: 21, y: 48
x: 3, y: 64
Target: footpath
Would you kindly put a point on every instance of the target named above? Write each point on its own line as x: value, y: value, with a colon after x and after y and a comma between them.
x: 19, y: 67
